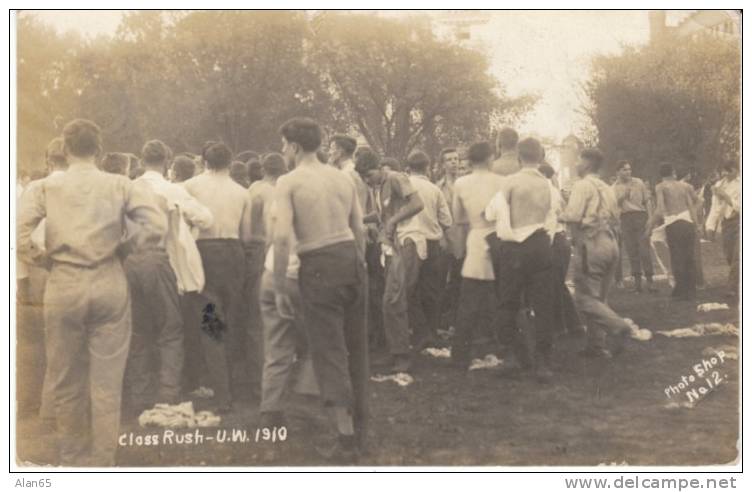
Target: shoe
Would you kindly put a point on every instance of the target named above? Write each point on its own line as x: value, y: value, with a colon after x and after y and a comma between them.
x: 343, y: 452
x: 401, y: 363
x: 543, y: 373
x: 270, y: 420
x: 637, y: 284
x: 596, y: 353
x: 619, y: 284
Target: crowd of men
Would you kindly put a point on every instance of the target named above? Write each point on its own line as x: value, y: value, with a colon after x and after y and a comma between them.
x: 168, y: 273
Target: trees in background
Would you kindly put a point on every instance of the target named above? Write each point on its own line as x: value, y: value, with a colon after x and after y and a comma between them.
x: 676, y: 101
x: 186, y: 77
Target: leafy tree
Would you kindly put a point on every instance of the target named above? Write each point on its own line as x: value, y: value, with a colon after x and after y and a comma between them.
x: 400, y: 87
x: 676, y: 101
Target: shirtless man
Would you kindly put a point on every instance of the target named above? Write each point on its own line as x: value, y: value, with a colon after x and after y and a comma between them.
x: 477, y: 302
x: 261, y: 194
x: 318, y: 204
x: 522, y: 211
x: 221, y: 306
x: 676, y: 204
x: 506, y: 146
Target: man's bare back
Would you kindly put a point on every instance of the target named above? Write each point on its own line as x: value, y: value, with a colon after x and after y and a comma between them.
x: 261, y: 194
x: 323, y: 203
x: 228, y: 202
x: 676, y: 197
x: 529, y: 196
x: 473, y: 192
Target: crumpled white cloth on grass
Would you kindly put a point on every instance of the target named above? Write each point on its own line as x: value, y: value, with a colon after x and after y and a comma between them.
x: 439, y: 353
x: 487, y: 362
x: 401, y: 378
x: 202, y: 392
x: 702, y: 329
x: 711, y: 306
x: 637, y: 333
x: 177, y: 416
x: 614, y: 463
x: 729, y: 351
x: 673, y: 404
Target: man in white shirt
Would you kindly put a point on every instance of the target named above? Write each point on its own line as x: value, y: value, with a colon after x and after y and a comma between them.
x: 477, y: 304
x: 154, y: 286
x: 421, y: 238
x: 523, y: 213
x: 724, y: 212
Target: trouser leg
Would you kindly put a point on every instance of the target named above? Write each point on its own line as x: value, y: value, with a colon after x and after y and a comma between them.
x: 467, y: 311
x: 395, y: 308
x: 376, y: 294
x: 170, y: 336
x: 109, y: 335
x: 730, y: 231
x: 254, y: 348
x: 413, y: 265
x: 279, y: 347
x: 431, y: 285
x: 356, y: 340
x: 65, y: 306
x: 680, y: 236
x: 594, y: 265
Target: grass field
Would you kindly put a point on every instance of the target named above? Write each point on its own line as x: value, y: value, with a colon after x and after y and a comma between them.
x: 594, y: 411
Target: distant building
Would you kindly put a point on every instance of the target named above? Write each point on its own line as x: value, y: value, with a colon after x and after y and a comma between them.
x: 693, y: 23
x: 460, y: 25
x: 569, y: 155
x: 721, y: 23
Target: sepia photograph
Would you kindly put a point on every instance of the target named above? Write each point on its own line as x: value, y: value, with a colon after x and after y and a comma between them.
x: 367, y: 239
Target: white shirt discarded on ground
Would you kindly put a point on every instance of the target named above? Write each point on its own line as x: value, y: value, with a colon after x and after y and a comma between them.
x: 487, y: 362
x: 439, y: 353
x: 637, y: 333
x: 401, y: 378
x: 177, y: 416
x: 711, y: 306
x: 727, y: 351
x: 702, y: 329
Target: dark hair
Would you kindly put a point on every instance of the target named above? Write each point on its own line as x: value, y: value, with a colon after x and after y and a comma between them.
x: 183, y: 168
x: 155, y: 152
x: 479, y: 152
x: 322, y: 156
x: 239, y: 172
x: 274, y: 164
x: 507, y: 138
x: 620, y: 164
x: 246, y: 156
x: 55, y: 152
x: 393, y: 163
x: 445, y: 151
x: 255, y: 171
x: 217, y: 155
x: 546, y: 170
x: 302, y: 131
x: 418, y: 161
x: 665, y: 170
x: 82, y: 138
x: 367, y: 160
x: 530, y: 150
x: 346, y: 143
x: 594, y: 157
x: 730, y: 166
x: 115, y: 163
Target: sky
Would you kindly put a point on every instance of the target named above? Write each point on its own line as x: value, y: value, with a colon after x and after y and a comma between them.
x: 540, y: 52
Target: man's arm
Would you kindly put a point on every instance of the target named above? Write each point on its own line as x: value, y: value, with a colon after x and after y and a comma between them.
x: 194, y: 212
x: 413, y: 207
x: 575, y: 208
x: 244, y: 231
x: 356, y: 224
x: 444, y: 215
x: 141, y: 207
x: 30, y: 213
x: 282, y: 231
x: 660, y: 211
